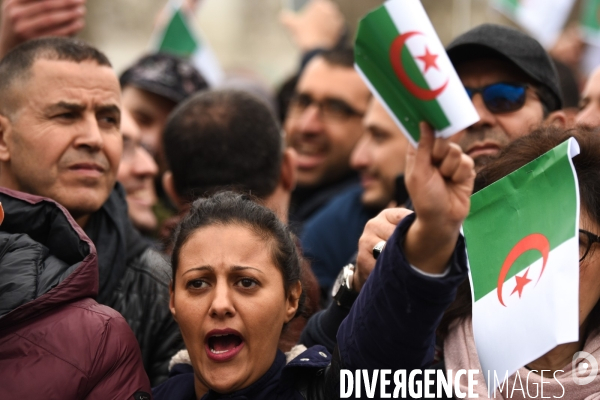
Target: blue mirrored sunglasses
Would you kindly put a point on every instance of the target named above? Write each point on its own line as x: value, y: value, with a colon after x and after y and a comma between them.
x: 501, y: 97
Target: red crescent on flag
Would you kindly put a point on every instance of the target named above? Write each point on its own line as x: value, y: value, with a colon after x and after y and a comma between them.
x: 535, y: 241
x: 396, y: 60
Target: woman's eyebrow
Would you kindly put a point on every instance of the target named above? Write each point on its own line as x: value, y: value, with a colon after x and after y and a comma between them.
x: 241, y: 268
x: 202, y: 268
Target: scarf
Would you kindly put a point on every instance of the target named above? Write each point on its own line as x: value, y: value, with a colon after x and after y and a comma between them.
x: 460, y: 353
x: 117, y: 241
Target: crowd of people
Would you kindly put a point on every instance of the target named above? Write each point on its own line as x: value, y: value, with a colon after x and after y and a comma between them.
x: 166, y: 239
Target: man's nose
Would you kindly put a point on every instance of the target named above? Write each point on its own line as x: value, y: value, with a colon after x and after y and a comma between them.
x: 89, y: 134
x: 143, y: 164
x: 359, y: 159
x: 311, y: 120
x: 486, y: 117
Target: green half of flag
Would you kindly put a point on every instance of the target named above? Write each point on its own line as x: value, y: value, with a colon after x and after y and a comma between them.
x: 590, y: 15
x: 375, y: 36
x: 178, y: 38
x: 508, y: 6
x: 538, y: 198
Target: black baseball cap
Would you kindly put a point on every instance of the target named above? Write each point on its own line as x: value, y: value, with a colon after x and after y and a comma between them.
x: 520, y: 49
x: 165, y: 75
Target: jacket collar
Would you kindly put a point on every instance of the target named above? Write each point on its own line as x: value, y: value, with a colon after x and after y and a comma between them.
x: 66, y: 269
x: 117, y: 241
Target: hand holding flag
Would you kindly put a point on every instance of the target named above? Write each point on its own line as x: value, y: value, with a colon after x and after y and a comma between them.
x: 439, y: 179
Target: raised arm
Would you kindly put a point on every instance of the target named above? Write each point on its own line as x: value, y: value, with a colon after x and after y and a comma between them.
x: 392, y: 324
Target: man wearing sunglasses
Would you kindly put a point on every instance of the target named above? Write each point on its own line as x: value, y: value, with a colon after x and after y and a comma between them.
x: 513, y: 85
x: 323, y: 124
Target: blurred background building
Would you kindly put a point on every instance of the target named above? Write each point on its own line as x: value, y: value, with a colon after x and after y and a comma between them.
x: 246, y: 34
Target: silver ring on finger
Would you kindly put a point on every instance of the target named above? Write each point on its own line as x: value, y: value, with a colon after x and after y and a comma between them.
x: 378, y: 248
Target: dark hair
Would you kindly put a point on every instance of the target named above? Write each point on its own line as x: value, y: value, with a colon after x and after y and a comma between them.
x: 341, y: 56
x: 568, y: 84
x: 223, y: 139
x: 17, y: 63
x: 514, y: 156
x: 229, y: 208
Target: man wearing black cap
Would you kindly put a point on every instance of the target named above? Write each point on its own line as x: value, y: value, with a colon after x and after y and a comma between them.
x: 513, y: 85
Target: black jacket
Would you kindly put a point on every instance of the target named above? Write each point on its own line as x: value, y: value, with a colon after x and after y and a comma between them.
x: 134, y: 280
x: 313, y: 375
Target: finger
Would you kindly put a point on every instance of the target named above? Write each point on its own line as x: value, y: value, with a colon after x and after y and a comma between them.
x: 66, y: 30
x: 465, y: 171
x: 441, y: 146
x: 35, y: 7
x: 427, y: 140
x: 46, y: 22
x: 395, y: 215
x: 451, y: 161
x: 378, y: 230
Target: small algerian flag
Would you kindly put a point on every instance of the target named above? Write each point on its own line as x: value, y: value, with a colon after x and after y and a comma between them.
x: 544, y: 19
x: 179, y: 37
x: 523, y: 250
x: 400, y: 57
x: 590, y: 21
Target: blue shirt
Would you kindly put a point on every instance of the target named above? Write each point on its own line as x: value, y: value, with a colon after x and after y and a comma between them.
x: 330, y: 237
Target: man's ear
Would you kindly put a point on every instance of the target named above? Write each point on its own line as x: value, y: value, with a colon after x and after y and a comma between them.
x: 169, y: 186
x: 289, y: 172
x: 5, y: 131
x: 557, y: 118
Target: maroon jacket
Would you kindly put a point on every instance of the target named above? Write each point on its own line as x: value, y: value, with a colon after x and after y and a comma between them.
x: 56, y: 342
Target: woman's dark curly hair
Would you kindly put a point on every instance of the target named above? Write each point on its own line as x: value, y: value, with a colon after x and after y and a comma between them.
x: 229, y: 208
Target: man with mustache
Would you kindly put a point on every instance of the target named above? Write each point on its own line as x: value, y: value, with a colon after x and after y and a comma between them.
x: 60, y: 112
x: 513, y: 85
x: 323, y: 124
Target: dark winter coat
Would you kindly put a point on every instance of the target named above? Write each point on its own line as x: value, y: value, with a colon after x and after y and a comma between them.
x: 56, y: 342
x: 134, y: 280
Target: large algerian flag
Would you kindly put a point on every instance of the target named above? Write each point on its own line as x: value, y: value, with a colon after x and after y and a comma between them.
x: 400, y: 57
x: 523, y: 250
x: 590, y: 21
x: 544, y: 19
x: 179, y: 37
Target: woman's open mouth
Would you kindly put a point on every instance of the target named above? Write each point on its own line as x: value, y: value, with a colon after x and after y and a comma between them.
x: 223, y: 344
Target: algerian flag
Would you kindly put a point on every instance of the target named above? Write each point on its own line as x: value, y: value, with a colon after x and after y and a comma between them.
x: 543, y: 19
x: 590, y: 21
x: 179, y: 37
x: 523, y: 250
x: 400, y: 57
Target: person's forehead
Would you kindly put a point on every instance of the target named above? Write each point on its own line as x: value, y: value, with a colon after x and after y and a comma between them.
x: 323, y: 80
x: 481, y: 72
x: 592, y: 87
x: 134, y: 96
x: 61, y: 80
x: 129, y: 127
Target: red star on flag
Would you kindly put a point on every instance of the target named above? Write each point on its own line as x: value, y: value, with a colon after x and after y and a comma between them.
x: 429, y: 60
x: 521, y: 282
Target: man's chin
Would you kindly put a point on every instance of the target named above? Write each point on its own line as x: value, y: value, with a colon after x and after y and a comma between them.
x: 483, y: 160
x: 374, y: 202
